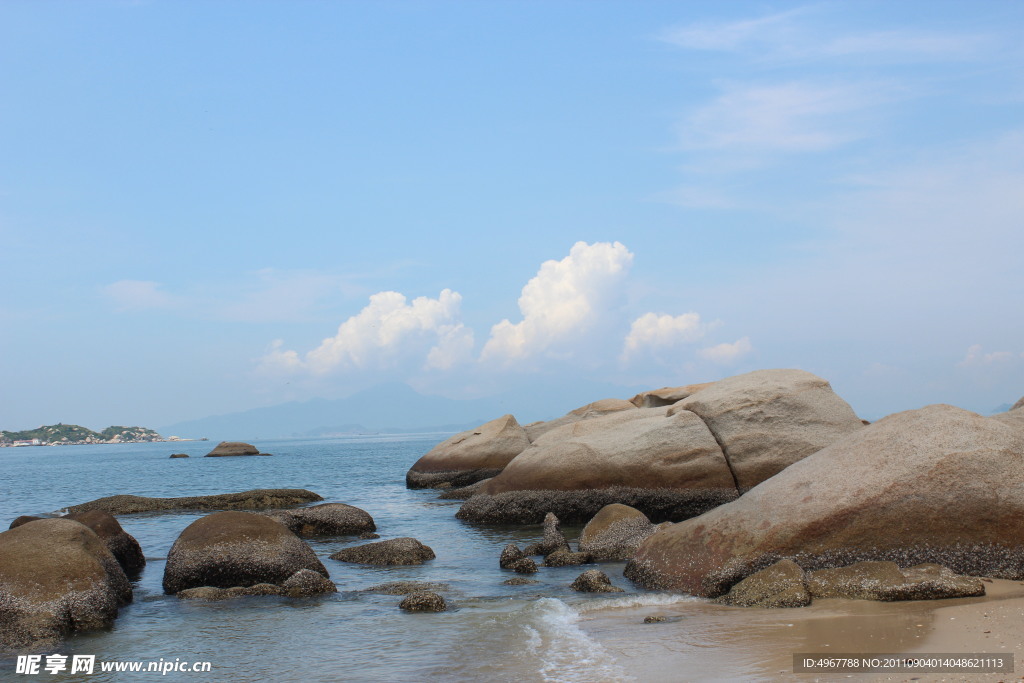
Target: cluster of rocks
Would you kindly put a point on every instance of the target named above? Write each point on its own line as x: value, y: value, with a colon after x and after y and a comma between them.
x: 767, y: 466
x: 63, y: 575
x: 672, y: 453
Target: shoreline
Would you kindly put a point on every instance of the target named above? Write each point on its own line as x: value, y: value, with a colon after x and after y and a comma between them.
x: 708, y: 642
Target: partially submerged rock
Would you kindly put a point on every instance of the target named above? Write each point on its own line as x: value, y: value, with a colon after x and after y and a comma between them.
x: 566, y: 558
x: 887, y: 582
x: 233, y: 448
x: 179, y: 455
x: 615, y: 532
x: 939, y: 484
x: 423, y: 601
x: 212, y: 593
x: 594, y: 581
x: 519, y: 581
x: 120, y: 543
x: 781, y: 585
x: 405, y: 587
x: 256, y: 499
x: 510, y: 555
x: 464, y: 492
x: 56, y: 578
x: 394, y: 551
x: 328, y: 519
x: 306, y: 582
x: 553, y: 539
x: 525, y: 565
x: 228, y: 549
x: 469, y: 456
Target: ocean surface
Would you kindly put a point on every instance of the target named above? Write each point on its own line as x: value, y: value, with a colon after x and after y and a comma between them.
x: 491, y: 632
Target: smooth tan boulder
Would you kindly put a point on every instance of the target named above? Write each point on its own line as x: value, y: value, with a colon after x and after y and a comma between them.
x: 939, y: 484
x: 229, y: 549
x: 605, y: 406
x: 615, y: 532
x: 667, y: 467
x: 57, y: 577
x: 470, y: 456
x: 666, y: 396
x: 768, y: 419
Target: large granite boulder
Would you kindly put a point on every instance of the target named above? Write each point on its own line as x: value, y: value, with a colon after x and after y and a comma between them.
x: 670, y: 463
x: 605, y: 406
x: 329, y: 519
x: 394, y: 551
x: 615, y: 532
x: 120, y: 543
x: 470, y: 456
x: 233, y: 448
x: 255, y: 499
x: 666, y: 396
x: 768, y: 419
x: 228, y: 549
x: 668, y: 467
x: 56, y: 578
x: 939, y: 484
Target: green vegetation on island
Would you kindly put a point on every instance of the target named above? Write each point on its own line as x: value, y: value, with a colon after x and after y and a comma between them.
x: 68, y: 435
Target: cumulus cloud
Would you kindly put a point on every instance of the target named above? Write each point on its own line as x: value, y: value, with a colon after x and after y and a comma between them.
x: 560, y: 304
x: 977, y: 356
x: 138, y: 295
x: 727, y: 354
x: 653, y: 331
x: 389, y: 332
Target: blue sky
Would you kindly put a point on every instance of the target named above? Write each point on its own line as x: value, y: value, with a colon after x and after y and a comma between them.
x: 210, y: 207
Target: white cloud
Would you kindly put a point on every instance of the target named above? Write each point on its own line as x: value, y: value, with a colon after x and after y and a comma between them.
x: 727, y: 354
x: 653, y: 331
x: 976, y: 356
x: 389, y: 332
x: 139, y: 295
x: 787, y: 117
x: 561, y: 303
x: 805, y: 34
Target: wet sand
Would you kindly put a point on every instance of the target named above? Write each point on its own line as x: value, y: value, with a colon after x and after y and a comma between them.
x: 706, y: 642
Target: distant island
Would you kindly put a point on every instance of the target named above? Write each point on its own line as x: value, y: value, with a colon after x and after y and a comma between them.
x: 75, y: 435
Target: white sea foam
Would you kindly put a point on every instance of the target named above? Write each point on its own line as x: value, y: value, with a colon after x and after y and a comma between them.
x: 643, y: 600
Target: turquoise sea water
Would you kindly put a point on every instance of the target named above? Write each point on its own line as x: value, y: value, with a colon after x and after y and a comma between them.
x: 493, y: 632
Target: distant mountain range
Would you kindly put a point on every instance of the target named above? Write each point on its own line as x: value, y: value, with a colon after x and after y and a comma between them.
x: 393, y: 408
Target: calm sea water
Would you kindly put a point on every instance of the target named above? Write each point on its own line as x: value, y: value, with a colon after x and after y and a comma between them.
x: 493, y: 632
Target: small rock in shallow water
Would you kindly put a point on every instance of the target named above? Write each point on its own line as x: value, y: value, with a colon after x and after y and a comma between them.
x: 423, y: 601
x: 565, y: 558
x: 405, y: 587
x: 510, y: 555
x: 524, y: 566
x: 394, y: 551
x: 519, y: 581
x: 594, y: 581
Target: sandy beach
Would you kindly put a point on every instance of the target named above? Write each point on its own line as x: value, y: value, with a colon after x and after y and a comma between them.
x: 707, y: 642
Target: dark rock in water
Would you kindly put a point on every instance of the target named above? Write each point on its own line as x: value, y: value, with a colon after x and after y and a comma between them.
x: 368, y: 535
x: 519, y: 581
x: 553, y: 539
x: 305, y: 582
x: 780, y: 585
x: 212, y: 593
x: 887, y: 582
x: 524, y: 566
x: 179, y: 455
x: 615, y: 532
x: 594, y: 581
x: 470, y: 456
x: 56, y: 578
x: 510, y: 555
x: 423, y: 601
x: 938, y: 484
x: 24, y: 519
x: 661, y: 619
x: 395, y: 551
x: 329, y: 519
x: 232, y: 448
x: 228, y: 549
x: 257, y: 499
x: 565, y: 558
x: 463, y: 492
x: 120, y: 543
x: 405, y: 587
